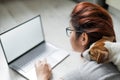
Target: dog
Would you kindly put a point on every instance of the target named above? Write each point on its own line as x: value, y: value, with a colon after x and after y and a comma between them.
x: 104, y: 51
x: 98, y: 52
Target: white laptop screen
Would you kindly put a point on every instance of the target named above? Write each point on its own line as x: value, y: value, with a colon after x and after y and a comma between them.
x: 22, y: 38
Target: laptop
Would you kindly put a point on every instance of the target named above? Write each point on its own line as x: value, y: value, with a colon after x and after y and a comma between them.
x: 25, y: 44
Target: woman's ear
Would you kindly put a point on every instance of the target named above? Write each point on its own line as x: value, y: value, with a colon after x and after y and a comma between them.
x: 84, y: 39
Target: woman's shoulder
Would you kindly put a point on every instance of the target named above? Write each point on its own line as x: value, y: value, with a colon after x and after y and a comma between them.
x: 90, y: 70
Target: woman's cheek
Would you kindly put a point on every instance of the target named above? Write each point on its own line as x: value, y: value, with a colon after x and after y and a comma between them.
x: 72, y: 40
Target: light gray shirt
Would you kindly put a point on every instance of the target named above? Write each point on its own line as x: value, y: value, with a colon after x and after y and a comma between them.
x: 90, y: 70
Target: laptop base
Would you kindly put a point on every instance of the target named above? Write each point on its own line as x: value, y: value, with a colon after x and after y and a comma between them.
x: 25, y: 65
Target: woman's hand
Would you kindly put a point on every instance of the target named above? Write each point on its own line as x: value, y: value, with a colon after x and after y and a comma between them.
x: 43, y: 70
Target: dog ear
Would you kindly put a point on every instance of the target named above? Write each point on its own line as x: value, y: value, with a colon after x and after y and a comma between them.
x: 99, y: 54
x: 102, y: 56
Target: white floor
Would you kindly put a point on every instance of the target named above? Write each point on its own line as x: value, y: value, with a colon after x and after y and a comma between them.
x: 116, y: 18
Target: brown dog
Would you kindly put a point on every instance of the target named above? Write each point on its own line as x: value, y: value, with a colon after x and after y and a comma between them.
x: 98, y: 52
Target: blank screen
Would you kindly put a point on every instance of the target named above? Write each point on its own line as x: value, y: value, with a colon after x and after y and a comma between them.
x: 22, y: 38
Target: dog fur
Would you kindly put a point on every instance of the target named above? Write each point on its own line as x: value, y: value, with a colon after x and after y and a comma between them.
x: 105, y: 50
x: 98, y: 52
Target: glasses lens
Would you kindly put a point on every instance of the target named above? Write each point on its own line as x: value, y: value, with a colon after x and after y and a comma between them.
x: 68, y: 31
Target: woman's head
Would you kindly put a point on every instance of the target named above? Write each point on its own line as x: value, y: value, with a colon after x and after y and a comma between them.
x: 93, y: 21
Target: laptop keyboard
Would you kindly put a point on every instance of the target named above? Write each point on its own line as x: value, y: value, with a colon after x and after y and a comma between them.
x: 35, y: 54
x: 52, y: 59
x: 28, y: 60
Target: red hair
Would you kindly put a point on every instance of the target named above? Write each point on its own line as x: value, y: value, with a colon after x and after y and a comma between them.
x: 92, y: 19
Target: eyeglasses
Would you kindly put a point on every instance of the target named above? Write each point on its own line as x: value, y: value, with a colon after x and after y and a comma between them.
x: 69, y: 31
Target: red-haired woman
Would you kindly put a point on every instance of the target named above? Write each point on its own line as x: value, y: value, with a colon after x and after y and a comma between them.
x: 89, y: 23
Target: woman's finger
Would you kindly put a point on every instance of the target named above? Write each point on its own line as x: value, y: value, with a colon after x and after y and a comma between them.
x: 49, y: 66
x: 45, y: 60
x: 37, y: 63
